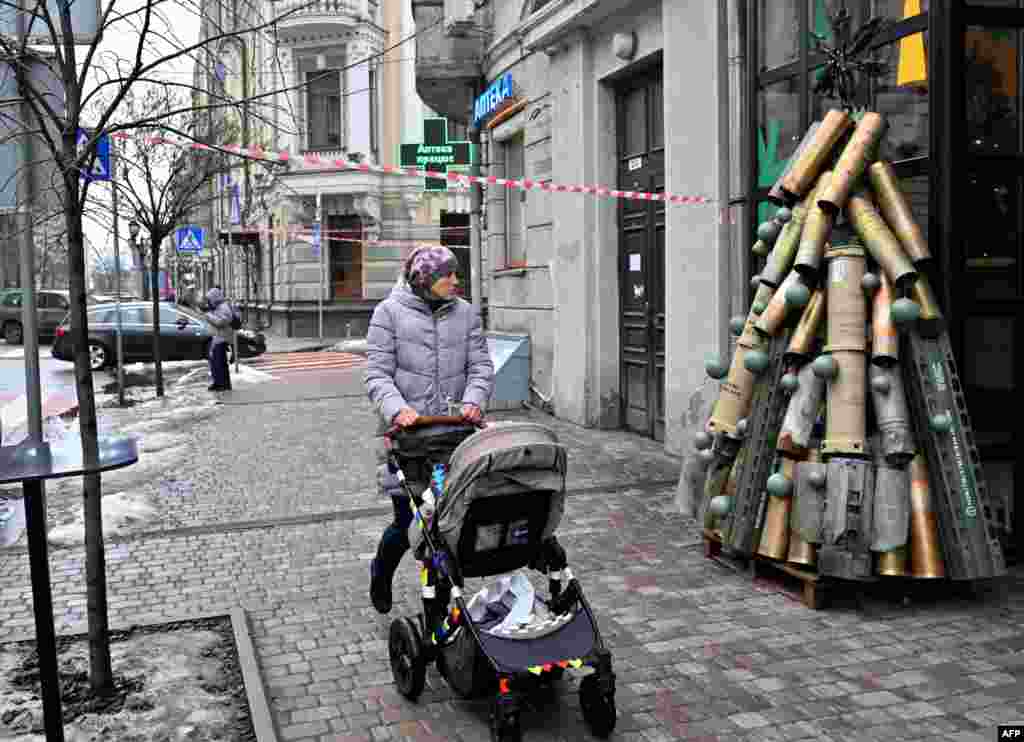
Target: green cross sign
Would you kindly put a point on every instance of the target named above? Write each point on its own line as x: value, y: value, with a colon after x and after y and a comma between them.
x: 436, y: 153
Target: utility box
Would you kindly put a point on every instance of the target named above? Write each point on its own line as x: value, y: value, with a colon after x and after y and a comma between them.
x: 510, y: 354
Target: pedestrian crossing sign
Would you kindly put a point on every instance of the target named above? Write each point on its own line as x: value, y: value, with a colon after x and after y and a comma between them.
x: 99, y: 168
x: 189, y: 240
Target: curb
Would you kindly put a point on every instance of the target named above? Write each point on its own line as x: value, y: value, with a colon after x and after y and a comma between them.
x: 259, y: 711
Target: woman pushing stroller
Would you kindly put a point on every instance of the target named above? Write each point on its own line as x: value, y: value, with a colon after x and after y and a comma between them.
x: 426, y: 352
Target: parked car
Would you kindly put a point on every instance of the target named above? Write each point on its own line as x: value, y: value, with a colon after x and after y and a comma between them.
x: 112, y: 298
x: 184, y: 335
x: 51, y: 306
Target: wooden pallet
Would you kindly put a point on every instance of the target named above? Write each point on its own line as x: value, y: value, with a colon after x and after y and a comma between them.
x: 814, y: 589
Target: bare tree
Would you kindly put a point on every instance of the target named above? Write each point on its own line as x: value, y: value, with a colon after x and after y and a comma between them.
x: 86, y: 87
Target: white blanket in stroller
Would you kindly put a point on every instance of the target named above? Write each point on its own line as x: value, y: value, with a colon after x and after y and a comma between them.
x: 526, y: 617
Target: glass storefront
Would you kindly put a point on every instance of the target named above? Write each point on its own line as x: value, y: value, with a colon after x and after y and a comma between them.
x: 957, y: 89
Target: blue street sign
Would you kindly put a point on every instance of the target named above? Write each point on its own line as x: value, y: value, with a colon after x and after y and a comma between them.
x: 189, y: 240
x: 100, y: 169
x: 316, y: 239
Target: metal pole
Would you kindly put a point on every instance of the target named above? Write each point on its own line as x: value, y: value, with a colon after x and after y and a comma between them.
x: 320, y: 254
x: 475, y: 223
x: 117, y: 277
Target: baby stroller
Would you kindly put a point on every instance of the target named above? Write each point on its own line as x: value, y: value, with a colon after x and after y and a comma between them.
x: 502, y: 499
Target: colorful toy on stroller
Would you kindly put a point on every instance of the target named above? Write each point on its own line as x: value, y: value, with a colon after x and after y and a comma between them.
x: 494, y: 510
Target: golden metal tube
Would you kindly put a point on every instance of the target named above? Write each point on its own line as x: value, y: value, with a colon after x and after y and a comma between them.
x: 853, y: 161
x: 776, y: 194
x: 735, y: 394
x: 806, y: 332
x: 893, y: 563
x: 926, y: 560
x: 817, y: 228
x: 885, y: 340
x: 784, y: 252
x: 880, y: 241
x: 817, y: 153
x: 896, y: 210
x: 845, y: 417
x: 778, y: 308
x: 846, y: 305
x: 775, y: 533
x: 931, y: 322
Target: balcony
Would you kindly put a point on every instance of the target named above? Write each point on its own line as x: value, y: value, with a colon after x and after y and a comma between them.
x: 447, y: 67
x: 303, y: 18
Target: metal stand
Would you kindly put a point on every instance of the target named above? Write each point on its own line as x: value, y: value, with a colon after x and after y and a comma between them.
x: 42, y: 605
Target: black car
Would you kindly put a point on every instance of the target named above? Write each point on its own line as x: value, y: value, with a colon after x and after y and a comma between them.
x: 184, y: 335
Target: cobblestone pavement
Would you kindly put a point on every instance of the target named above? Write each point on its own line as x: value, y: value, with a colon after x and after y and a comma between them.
x: 274, y: 511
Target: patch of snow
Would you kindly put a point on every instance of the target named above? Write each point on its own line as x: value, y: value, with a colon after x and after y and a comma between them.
x: 12, y: 520
x: 249, y: 375
x: 355, y: 345
x: 157, y: 441
x: 121, y: 513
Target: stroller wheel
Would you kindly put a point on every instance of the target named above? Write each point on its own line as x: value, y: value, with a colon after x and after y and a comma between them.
x: 408, y: 665
x: 598, y: 708
x: 505, y: 725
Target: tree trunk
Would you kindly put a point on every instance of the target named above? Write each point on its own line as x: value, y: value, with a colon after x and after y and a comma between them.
x: 100, y: 672
x: 154, y: 273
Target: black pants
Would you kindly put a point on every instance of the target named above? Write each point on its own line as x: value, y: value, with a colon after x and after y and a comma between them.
x: 395, y: 540
x: 219, y: 365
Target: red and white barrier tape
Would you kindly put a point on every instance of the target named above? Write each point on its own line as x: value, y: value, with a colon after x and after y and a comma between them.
x: 312, y: 160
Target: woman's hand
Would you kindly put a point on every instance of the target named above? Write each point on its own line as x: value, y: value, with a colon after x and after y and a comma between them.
x: 471, y: 413
x: 405, y: 417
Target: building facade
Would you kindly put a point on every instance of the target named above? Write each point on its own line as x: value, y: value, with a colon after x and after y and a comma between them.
x: 324, y: 81
x: 624, y: 300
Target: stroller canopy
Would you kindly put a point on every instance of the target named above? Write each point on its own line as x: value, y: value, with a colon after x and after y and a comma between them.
x: 505, y: 458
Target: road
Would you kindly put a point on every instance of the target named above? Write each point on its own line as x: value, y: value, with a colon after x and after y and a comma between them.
x: 57, y: 379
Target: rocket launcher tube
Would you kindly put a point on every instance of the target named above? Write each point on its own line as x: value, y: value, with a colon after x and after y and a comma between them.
x: 846, y: 412
x: 817, y: 154
x: 880, y: 241
x: 847, y: 305
x: 896, y: 210
x: 853, y: 162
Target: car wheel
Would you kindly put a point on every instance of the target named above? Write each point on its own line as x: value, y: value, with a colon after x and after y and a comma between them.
x: 12, y: 333
x: 98, y: 356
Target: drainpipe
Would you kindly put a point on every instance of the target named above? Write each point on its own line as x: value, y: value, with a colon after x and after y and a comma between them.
x: 724, y: 233
x: 475, y: 222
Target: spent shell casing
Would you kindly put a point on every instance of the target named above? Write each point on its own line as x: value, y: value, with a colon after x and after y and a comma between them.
x: 817, y: 154
x: 857, y: 153
x: 894, y: 207
x: 879, y: 240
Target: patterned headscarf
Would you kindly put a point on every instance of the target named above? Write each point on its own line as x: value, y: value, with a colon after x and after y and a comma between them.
x: 426, y: 265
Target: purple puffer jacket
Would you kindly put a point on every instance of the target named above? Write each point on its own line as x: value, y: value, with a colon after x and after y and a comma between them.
x: 422, y: 360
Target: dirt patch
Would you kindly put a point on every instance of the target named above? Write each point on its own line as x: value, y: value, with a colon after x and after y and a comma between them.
x: 171, y: 682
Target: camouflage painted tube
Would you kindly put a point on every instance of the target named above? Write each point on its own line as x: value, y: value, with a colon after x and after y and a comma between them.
x: 885, y: 340
x: 782, y: 254
x: 816, y: 231
x: 857, y: 153
x: 846, y: 413
x: 896, y: 210
x: 881, y: 243
x: 926, y: 561
x: 931, y: 322
x: 891, y: 521
x: 778, y: 308
x: 801, y: 414
x: 776, y: 194
x: 817, y: 154
x: 847, y: 311
x: 805, y: 335
x: 892, y: 415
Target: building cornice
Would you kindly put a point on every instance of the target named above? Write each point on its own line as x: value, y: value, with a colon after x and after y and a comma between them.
x: 555, y: 25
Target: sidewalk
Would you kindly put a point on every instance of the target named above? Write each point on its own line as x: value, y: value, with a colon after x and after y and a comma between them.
x: 281, y: 344
x: 272, y: 507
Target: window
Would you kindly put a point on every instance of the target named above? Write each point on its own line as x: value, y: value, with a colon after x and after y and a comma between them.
x: 52, y: 301
x: 323, y: 106
x: 515, y: 204
x: 13, y: 299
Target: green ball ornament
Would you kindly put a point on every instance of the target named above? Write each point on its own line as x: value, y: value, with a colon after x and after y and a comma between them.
x: 755, y: 282
x: 881, y: 384
x: 790, y: 383
x: 784, y: 214
x: 941, y: 422
x: 736, y: 325
x: 755, y: 361
x: 702, y: 441
x: 870, y: 283
x: 904, y: 311
x: 779, y: 485
x: 715, y: 368
x: 825, y: 367
x: 760, y: 248
x: 816, y: 478
x: 758, y: 307
x: 797, y: 295
x: 768, y: 231
x: 720, y: 505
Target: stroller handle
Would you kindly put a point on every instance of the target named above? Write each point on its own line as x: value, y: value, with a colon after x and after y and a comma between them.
x: 424, y: 421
